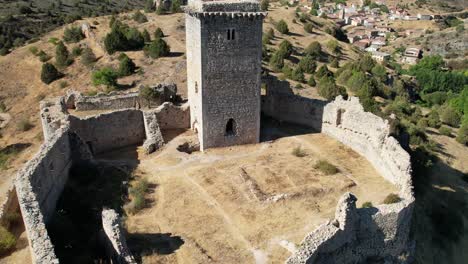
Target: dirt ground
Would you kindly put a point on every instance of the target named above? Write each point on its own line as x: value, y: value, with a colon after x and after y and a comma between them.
x: 244, y: 204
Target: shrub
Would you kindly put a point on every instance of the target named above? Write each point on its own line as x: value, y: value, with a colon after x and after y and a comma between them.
x: 7, y: 240
x: 328, y: 89
x: 175, y: 6
x: 335, y: 64
x: 391, y: 199
x: 264, y: 5
x: 43, y: 57
x: 277, y: 61
x: 282, y: 27
x: 299, y: 152
x: 158, y: 33
x: 314, y: 49
x: 149, y: 6
x: 53, y: 41
x: 24, y: 125
x: 63, y: 84
x: 88, y: 57
x: 323, y: 71
x: 62, y: 56
x: 137, y: 191
x: 298, y: 75
x: 311, y: 81
x: 158, y: 48
x: 326, y: 168
x: 450, y: 116
x: 462, y: 135
x: 307, y: 64
x: 139, y: 17
x: 73, y: 34
x: 105, y: 76
x: 34, y: 50
x: 123, y: 38
x: 127, y: 67
x: 286, y: 49
x: 434, y: 119
x: 334, y: 47
x: 445, y: 131
x: 146, y: 36
x: 367, y: 205
x: 49, y: 73
x: 3, y: 107
x: 76, y: 51
x: 308, y: 27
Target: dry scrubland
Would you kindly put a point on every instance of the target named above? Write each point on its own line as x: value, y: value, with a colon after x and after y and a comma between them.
x: 247, y: 203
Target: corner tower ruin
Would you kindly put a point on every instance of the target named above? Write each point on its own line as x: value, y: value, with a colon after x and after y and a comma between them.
x: 224, y: 60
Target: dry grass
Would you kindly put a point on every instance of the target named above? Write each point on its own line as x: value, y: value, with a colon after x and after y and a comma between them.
x: 391, y: 199
x: 326, y: 167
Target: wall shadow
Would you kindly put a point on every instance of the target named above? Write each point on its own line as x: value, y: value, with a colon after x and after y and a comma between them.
x: 143, y: 244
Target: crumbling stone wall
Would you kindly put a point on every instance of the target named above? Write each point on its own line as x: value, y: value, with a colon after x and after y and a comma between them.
x: 379, y: 232
x: 282, y: 104
x: 110, y: 131
x: 172, y: 116
x: 115, y: 240
x: 39, y: 185
x: 154, y: 139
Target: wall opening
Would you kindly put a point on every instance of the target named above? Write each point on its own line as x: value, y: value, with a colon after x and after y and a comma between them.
x: 229, y: 34
x: 230, y: 128
x: 196, y: 87
x: 339, y: 115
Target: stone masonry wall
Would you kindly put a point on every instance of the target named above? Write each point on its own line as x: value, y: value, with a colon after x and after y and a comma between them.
x: 110, y: 131
x: 39, y: 185
x: 379, y: 232
x: 115, y: 240
x: 172, y: 116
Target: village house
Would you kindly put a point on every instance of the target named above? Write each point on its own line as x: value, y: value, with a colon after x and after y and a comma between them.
x: 380, y: 56
x: 411, y: 56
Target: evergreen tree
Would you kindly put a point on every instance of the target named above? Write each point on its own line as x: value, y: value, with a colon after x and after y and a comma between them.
x: 158, y: 33
x: 282, y: 27
x: 49, y: 73
x: 88, y: 57
x: 158, y: 48
x: 62, y: 56
x: 146, y: 36
x: 307, y: 64
x: 127, y: 67
x: 175, y: 6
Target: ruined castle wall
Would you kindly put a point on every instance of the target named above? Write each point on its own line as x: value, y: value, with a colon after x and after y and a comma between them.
x: 381, y: 231
x: 114, y: 237
x: 110, y: 131
x: 172, y: 116
x: 281, y: 104
x: 113, y: 101
x: 39, y: 185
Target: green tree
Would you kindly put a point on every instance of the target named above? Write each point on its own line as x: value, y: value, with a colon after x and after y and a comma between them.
x: 334, y: 63
x: 314, y: 49
x: 158, y: 48
x: 73, y: 34
x: 49, y: 73
x: 379, y: 72
x: 139, y: 17
x: 282, y: 27
x: 105, y: 76
x: 264, y: 5
x: 277, y: 61
x: 308, y: 27
x: 146, y: 36
x: 311, y: 81
x: 286, y: 49
x: 175, y: 6
x: 298, y: 75
x: 450, y: 116
x: 158, y: 33
x: 307, y: 64
x: 323, y: 71
x: 334, y: 47
x: 62, y: 56
x: 328, y: 89
x: 149, y: 6
x: 126, y: 67
x: 462, y: 135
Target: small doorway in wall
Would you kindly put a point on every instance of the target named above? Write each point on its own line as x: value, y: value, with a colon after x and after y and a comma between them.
x: 230, y: 128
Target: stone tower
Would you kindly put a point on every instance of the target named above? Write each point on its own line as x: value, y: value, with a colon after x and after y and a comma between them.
x: 224, y: 59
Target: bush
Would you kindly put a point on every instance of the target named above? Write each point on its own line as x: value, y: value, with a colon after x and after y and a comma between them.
x: 73, y: 34
x: 7, y: 240
x: 62, y: 56
x: 308, y: 27
x: 367, y: 205
x: 175, y: 6
x: 286, y: 49
x: 158, y: 48
x: 299, y: 152
x: 146, y: 36
x: 53, y: 41
x: 314, y: 49
x: 326, y: 168
x: 307, y: 64
x: 462, y: 135
x: 450, y: 116
x: 49, y: 73
x: 63, y: 84
x: 391, y: 199
x: 43, y: 57
x: 24, y: 125
x: 139, y: 17
x: 323, y: 71
x: 127, y: 67
x: 34, y: 50
x: 76, y: 51
x: 264, y: 5
x: 335, y: 64
x: 277, y: 61
x: 282, y: 27
x: 105, y: 76
x: 298, y: 75
x: 123, y: 38
x: 334, y: 47
x: 88, y: 57
x: 433, y: 119
x: 328, y: 89
x: 445, y: 131
x: 311, y: 81
x: 158, y: 33
x: 137, y: 191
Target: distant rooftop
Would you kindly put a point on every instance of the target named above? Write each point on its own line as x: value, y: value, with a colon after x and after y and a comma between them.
x: 223, y: 6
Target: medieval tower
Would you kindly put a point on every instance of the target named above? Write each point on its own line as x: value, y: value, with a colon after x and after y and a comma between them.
x: 224, y: 59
